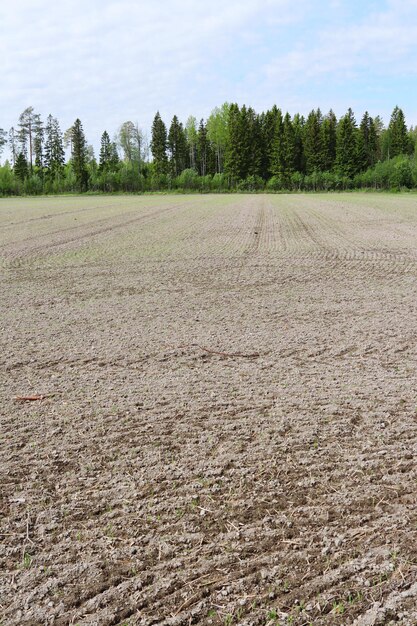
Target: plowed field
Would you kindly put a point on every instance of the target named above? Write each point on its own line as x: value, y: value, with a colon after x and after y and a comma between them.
x: 208, y: 410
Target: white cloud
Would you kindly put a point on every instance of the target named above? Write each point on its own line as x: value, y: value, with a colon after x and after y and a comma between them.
x: 383, y: 43
x: 109, y: 60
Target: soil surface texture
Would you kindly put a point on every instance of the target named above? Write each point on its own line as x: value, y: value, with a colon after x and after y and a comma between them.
x: 208, y: 410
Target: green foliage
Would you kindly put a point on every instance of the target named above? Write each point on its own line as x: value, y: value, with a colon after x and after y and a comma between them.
x: 8, y: 182
x: 237, y: 149
x: 188, y: 180
x: 130, y: 140
x: 217, y: 134
x: 402, y: 175
x: 191, y: 136
x: 251, y: 183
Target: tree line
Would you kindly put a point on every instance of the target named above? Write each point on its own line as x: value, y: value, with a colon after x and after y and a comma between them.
x: 234, y: 149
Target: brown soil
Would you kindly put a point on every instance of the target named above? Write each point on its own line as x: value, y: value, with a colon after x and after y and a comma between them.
x: 208, y: 411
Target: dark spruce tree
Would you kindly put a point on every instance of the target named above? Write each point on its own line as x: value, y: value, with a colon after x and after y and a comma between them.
x: 276, y: 145
x: 54, y: 155
x: 21, y: 167
x: 367, y: 144
x: 159, y: 146
x: 313, y: 142
x: 202, y: 149
x: 346, y: 145
x: 398, y: 135
x: 298, y: 124
x: 328, y: 141
x: 177, y: 146
x: 106, y: 153
x: 288, y: 151
x: 235, y: 152
x: 255, y: 143
x: 79, y: 156
x: 267, y: 122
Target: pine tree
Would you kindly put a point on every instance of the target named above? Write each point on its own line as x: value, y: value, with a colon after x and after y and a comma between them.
x: 29, y: 121
x: 79, y: 156
x: 346, y: 145
x: 159, y: 145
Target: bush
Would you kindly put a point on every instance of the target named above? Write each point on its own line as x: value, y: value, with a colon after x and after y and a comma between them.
x: 401, y: 175
x: 275, y: 183
x: 8, y: 183
x: 188, y: 179
x: 251, y: 183
x: 297, y: 181
x: 219, y: 182
x: 33, y: 185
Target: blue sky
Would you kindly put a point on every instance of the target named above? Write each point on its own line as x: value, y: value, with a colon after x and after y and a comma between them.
x: 108, y: 61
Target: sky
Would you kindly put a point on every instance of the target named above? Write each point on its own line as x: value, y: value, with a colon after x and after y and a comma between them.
x: 109, y: 61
